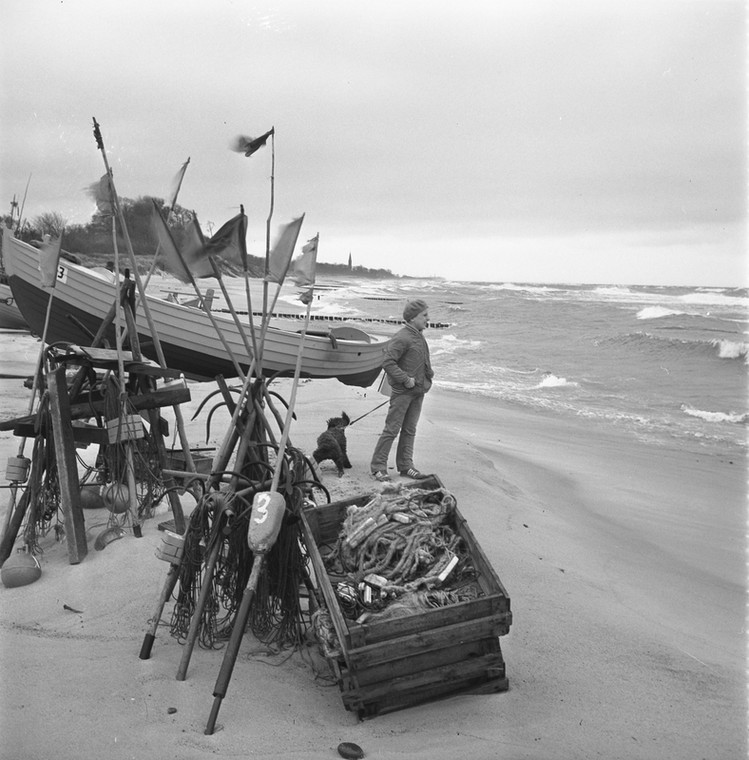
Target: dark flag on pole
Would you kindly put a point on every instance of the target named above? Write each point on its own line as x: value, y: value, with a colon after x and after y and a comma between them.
x: 194, y: 252
x: 183, y: 265
x: 177, y: 184
x: 101, y: 192
x: 230, y: 242
x: 248, y: 145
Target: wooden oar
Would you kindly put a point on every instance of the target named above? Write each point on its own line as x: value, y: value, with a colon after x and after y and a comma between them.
x: 150, y: 636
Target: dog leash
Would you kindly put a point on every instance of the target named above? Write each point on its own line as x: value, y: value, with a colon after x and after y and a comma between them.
x: 369, y: 412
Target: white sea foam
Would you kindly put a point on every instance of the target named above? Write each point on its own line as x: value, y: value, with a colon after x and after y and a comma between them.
x: 449, y: 344
x: 333, y: 309
x: 731, y: 349
x: 552, y: 381
x: 523, y: 288
x: 615, y: 294
x: 715, y: 299
x: 612, y: 291
x: 656, y: 312
x: 734, y: 417
x: 473, y: 389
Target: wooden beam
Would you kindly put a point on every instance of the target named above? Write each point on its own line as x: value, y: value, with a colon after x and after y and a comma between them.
x: 153, y: 400
x: 67, y: 468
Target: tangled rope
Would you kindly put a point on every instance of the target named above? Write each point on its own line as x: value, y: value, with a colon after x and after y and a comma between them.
x: 395, y: 553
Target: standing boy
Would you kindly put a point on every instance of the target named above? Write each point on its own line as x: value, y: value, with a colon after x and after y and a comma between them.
x: 409, y: 373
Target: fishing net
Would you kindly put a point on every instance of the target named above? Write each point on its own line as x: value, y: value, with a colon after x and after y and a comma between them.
x: 139, y: 453
x: 41, y: 498
x: 217, y: 555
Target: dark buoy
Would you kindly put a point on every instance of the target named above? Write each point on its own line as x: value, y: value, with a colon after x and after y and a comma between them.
x: 116, y: 497
x: 91, y: 497
x: 20, y: 569
x: 350, y: 750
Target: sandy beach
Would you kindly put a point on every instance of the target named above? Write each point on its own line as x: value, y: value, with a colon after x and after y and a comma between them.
x: 628, y: 606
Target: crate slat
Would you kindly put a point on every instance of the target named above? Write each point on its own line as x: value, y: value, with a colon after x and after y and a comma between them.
x: 481, y: 675
x: 428, y: 640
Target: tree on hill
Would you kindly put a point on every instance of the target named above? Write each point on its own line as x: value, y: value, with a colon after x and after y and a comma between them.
x: 50, y: 223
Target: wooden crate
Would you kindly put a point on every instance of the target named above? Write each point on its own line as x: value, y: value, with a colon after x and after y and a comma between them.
x: 391, y: 664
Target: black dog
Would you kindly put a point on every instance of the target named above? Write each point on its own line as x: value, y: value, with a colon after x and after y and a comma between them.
x: 332, y: 443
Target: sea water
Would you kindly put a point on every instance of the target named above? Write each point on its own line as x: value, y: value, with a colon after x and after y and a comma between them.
x: 665, y: 364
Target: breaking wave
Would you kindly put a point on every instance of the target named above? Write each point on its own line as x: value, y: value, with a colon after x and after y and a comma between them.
x: 449, y: 344
x: 731, y: 349
x: 657, y: 312
x: 722, y: 348
x: 713, y: 298
x: 552, y: 381
x: 733, y: 417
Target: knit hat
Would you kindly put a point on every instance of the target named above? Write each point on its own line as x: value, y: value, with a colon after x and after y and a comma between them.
x: 413, y: 308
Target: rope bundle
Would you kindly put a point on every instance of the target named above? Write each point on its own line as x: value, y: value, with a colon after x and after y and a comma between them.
x: 409, y: 538
x: 403, y: 539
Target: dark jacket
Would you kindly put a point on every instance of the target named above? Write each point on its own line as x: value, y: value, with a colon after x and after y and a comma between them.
x: 407, y: 355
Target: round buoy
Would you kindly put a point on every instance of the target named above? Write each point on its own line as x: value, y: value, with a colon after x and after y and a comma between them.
x: 350, y: 750
x: 116, y: 497
x: 20, y: 569
x: 91, y: 497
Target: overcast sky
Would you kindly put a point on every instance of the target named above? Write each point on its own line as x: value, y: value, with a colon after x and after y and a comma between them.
x: 478, y: 140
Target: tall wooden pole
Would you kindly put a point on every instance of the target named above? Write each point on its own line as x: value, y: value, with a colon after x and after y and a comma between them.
x: 190, y: 464
x: 267, y: 240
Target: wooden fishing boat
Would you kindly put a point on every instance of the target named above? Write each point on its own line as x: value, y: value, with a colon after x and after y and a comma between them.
x: 82, y: 298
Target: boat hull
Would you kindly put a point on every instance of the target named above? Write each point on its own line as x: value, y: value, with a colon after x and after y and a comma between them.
x: 81, y: 298
x: 10, y: 315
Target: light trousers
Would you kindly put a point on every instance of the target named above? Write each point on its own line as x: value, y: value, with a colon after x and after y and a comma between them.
x: 402, y: 418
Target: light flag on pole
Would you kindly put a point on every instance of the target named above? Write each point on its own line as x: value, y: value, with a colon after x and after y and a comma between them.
x: 303, y: 268
x: 49, y: 255
x: 282, y: 251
